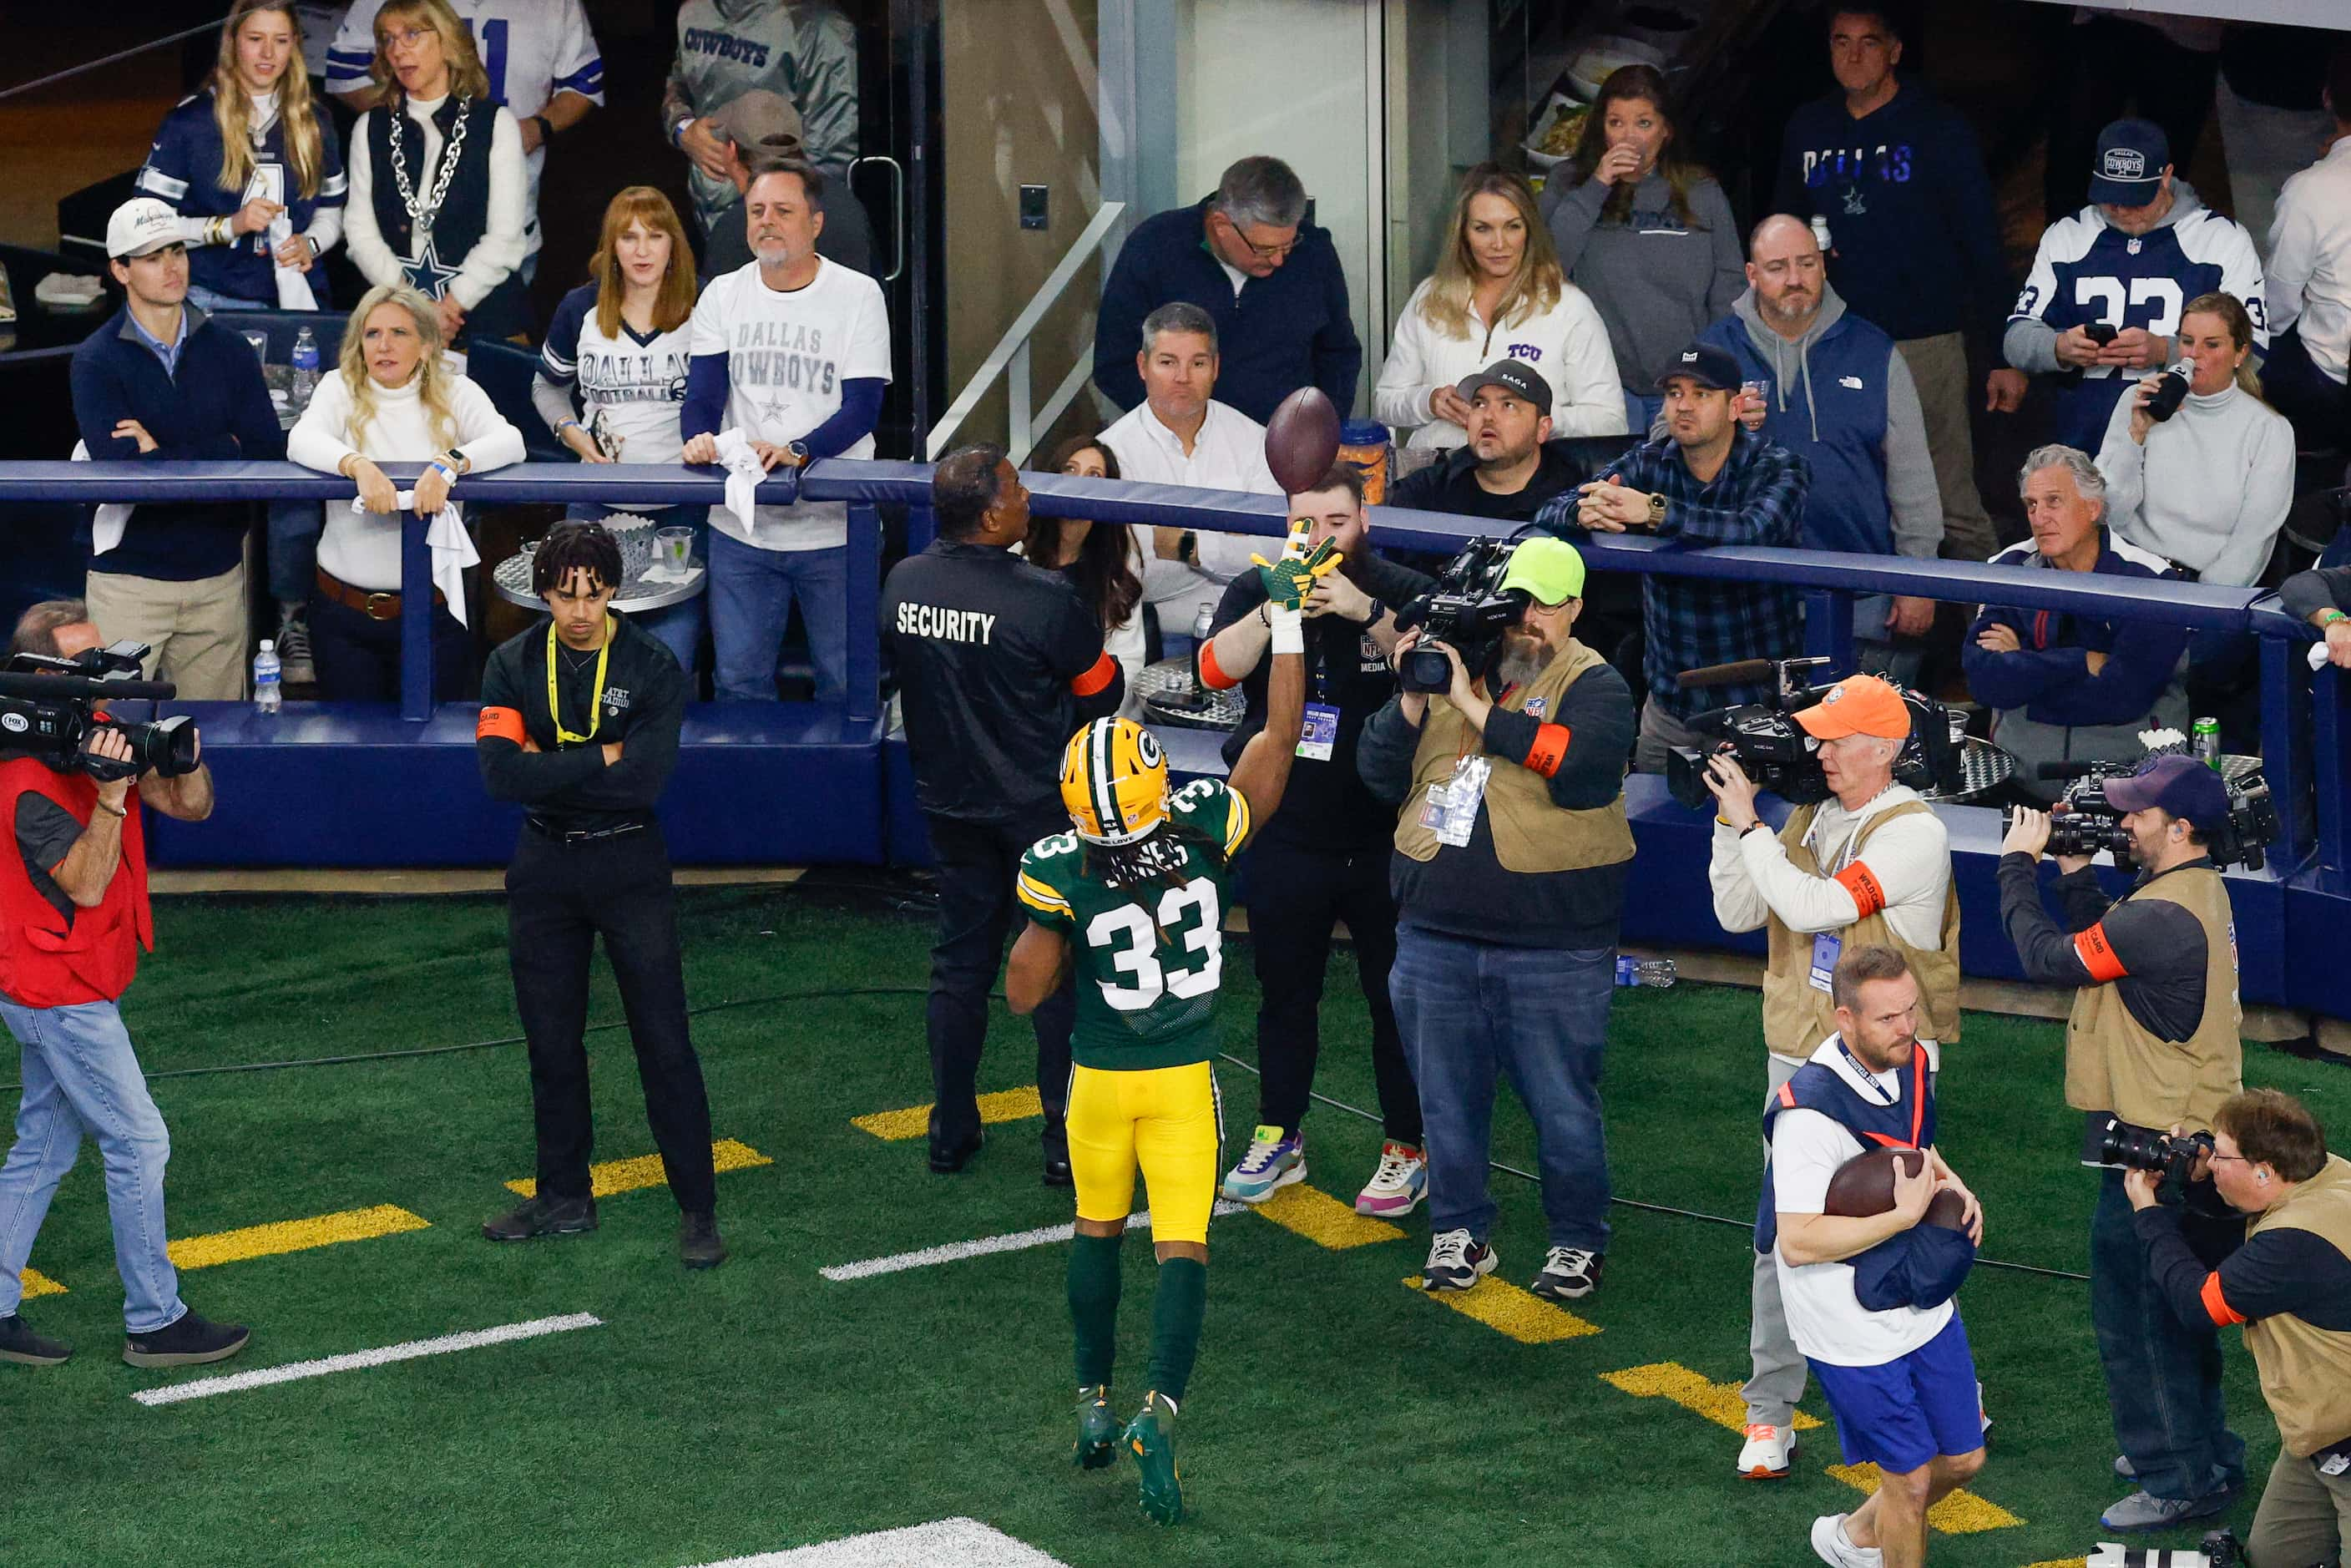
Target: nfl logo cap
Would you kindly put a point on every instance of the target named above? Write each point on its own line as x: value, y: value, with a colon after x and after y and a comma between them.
x: 1709, y: 366
x: 140, y: 225
x: 1514, y: 375
x: 2132, y: 157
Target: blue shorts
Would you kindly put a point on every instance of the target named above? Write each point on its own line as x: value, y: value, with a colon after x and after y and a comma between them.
x: 1901, y: 1415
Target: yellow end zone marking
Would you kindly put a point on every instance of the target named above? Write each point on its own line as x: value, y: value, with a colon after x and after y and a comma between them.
x: 39, y: 1284
x: 1508, y: 1310
x: 1324, y: 1219
x: 1960, y: 1513
x: 1004, y: 1105
x: 2062, y: 1563
x: 1720, y: 1403
x: 292, y: 1235
x: 645, y: 1170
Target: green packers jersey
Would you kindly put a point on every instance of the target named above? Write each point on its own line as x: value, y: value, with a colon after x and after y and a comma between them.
x: 1147, y: 956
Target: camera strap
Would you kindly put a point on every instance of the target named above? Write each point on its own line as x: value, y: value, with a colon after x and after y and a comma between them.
x: 595, y: 702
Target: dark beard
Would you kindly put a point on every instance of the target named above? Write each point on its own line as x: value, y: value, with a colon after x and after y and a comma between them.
x: 1522, y: 660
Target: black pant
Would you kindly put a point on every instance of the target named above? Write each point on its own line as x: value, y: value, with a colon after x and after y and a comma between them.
x: 977, y: 864
x: 357, y: 656
x: 1294, y: 894
x: 2318, y: 405
x: 559, y: 896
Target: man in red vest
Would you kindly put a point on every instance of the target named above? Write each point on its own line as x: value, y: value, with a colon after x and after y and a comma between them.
x: 73, y: 917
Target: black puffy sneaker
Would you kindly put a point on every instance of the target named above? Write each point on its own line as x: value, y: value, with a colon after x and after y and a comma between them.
x: 699, y: 1245
x: 1057, y: 1171
x: 1569, y: 1274
x: 19, y: 1344
x: 191, y: 1341
x: 537, y: 1217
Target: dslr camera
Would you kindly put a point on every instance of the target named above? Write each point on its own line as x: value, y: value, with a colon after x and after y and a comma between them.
x: 1775, y: 751
x: 2109, y: 1142
x: 2085, y: 821
x: 52, y: 706
x: 1467, y: 610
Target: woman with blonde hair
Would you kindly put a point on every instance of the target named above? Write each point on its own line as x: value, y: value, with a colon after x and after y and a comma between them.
x: 440, y: 193
x: 394, y: 398
x: 611, y: 375
x: 1497, y: 293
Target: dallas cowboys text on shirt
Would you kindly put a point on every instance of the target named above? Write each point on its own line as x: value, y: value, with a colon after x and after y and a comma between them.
x: 726, y: 46
x: 773, y: 354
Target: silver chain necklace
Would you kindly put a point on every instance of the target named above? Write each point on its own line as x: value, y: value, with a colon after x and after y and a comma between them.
x: 421, y: 214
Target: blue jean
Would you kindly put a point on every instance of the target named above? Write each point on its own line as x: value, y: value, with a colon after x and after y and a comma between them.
x: 1465, y: 1009
x: 679, y: 627
x: 2163, y: 1376
x: 752, y: 591
x: 81, y: 1075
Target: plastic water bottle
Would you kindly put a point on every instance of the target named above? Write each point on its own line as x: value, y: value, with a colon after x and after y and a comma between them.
x: 1821, y: 233
x: 267, y: 688
x: 1631, y: 971
x: 306, y: 368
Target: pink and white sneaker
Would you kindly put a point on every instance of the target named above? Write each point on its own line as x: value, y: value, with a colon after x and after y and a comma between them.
x: 1396, y: 1188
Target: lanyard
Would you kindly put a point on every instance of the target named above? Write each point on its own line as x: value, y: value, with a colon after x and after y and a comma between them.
x: 1867, y: 1076
x: 595, y: 704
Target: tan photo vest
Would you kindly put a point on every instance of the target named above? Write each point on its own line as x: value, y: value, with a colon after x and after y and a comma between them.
x: 2114, y: 1063
x: 2307, y: 1370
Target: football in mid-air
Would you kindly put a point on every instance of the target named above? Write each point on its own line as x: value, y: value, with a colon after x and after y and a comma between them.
x: 1301, y: 440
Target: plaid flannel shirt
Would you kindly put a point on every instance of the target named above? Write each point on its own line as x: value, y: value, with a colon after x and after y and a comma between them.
x: 1757, y: 498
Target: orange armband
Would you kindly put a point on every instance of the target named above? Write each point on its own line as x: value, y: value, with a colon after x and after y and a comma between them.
x: 500, y: 724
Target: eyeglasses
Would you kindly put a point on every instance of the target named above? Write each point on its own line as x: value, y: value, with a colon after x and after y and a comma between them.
x: 2222, y: 1159
x: 1263, y: 252
x: 407, y: 38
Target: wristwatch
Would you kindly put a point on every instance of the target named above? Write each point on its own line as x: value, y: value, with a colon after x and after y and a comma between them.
x: 455, y: 459
x: 1187, y: 548
x: 546, y: 128
x: 1377, y: 609
x: 799, y: 449
x: 1657, y: 510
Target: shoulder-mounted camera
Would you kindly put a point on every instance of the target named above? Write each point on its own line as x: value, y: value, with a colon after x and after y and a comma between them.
x: 50, y: 708
x: 1775, y: 751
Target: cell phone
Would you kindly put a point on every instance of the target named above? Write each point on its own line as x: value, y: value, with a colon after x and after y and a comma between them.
x: 2100, y: 332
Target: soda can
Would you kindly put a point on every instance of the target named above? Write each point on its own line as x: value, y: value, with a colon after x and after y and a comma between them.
x: 2205, y: 740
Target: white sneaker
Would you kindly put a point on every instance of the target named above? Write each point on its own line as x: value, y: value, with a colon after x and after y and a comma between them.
x: 1835, y: 1548
x: 1768, y: 1452
x: 1455, y: 1262
x: 1396, y: 1188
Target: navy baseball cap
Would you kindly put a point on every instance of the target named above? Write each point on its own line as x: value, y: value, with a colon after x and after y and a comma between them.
x: 1709, y: 367
x: 2185, y: 787
x: 2132, y: 157
x: 1521, y: 378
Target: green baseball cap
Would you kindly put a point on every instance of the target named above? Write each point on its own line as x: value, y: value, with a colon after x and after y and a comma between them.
x: 1548, y: 571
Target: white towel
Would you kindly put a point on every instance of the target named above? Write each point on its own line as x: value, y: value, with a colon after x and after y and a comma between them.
x: 744, y: 472
x: 2318, y: 655
x: 293, y: 285
x: 453, y: 549
x: 106, y: 528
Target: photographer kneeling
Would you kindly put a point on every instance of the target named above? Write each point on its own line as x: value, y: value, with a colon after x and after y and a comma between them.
x: 73, y: 918
x: 2290, y: 1285
x: 2152, y: 1041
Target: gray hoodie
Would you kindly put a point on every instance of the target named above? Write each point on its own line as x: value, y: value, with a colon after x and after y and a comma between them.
x: 1656, y: 283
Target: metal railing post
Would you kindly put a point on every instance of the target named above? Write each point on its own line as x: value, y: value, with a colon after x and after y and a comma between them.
x: 2330, y: 692
x: 1017, y: 391
x: 1828, y: 628
x: 921, y: 528
x: 2286, y: 755
x: 415, y: 618
x: 863, y: 695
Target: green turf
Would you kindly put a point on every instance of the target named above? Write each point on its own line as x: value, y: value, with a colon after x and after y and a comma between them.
x: 1335, y: 1417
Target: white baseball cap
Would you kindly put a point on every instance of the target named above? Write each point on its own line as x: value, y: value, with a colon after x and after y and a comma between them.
x: 140, y: 225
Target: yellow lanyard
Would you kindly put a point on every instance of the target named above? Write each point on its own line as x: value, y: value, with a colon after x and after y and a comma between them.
x: 595, y: 704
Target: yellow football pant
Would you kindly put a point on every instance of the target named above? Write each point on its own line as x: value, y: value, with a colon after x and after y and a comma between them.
x: 1166, y: 1120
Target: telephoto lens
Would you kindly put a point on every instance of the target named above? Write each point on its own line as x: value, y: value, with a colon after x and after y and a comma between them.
x: 2171, y: 390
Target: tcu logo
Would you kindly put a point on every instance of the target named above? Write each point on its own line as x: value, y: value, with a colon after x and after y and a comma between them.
x: 1527, y: 352
x: 2124, y: 164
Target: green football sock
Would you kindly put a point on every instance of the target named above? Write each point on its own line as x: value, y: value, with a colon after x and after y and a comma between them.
x: 1176, y: 1308
x: 1093, y: 1305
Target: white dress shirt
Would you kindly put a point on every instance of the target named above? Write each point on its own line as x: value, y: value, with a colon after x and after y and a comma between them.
x: 2310, y: 261
x: 1228, y: 454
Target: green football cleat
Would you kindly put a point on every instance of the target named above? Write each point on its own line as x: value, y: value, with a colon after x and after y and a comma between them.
x: 1151, y: 1438
x: 1097, y: 1430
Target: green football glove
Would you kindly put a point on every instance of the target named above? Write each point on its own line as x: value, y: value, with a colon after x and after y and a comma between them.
x: 1288, y: 581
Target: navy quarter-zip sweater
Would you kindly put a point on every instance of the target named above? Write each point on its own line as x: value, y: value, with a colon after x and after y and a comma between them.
x: 217, y: 409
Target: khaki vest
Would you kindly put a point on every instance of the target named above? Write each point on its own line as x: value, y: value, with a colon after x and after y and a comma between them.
x: 2112, y: 1063
x: 1530, y: 834
x: 1798, y: 1016
x: 2305, y: 1370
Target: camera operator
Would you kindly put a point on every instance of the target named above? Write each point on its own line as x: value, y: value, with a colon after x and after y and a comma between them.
x: 2290, y: 1285
x: 1811, y: 887
x: 1509, y: 871
x: 73, y: 918
x: 2153, y: 1041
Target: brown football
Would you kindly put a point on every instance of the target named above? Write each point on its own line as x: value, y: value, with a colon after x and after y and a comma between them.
x: 1864, y: 1185
x: 1301, y: 440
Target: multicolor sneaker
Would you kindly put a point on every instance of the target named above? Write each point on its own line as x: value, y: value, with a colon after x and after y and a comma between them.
x: 1396, y: 1188
x: 1273, y: 1162
x: 1097, y: 1429
x: 1151, y: 1438
x: 1455, y: 1262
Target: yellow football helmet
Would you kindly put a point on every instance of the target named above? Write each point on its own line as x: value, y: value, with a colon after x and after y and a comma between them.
x: 1114, y: 782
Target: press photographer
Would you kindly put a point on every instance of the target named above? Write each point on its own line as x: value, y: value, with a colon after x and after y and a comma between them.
x: 2290, y: 1286
x: 1868, y: 867
x: 2152, y: 1041
x: 73, y: 919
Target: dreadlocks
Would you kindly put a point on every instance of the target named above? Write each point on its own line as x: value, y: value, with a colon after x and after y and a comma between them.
x: 1155, y: 860
x: 575, y: 546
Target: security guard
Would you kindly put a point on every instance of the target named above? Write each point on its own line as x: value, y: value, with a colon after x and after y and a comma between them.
x: 578, y: 725
x: 2152, y: 1039
x: 998, y: 662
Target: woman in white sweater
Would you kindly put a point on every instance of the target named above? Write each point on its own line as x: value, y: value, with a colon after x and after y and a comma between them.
x: 1497, y: 293
x: 392, y: 399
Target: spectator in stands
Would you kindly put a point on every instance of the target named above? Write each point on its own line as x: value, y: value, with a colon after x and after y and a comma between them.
x: 2162, y: 68
x: 541, y: 63
x: 2130, y: 261
x: 439, y: 191
x: 1182, y: 434
x: 805, y: 53
x: 794, y: 353
x: 2064, y: 688
x: 394, y: 398
x: 159, y: 383
x: 611, y: 378
x: 1268, y: 278
x: 2310, y: 284
x: 1914, y: 243
x: 1643, y: 231
x: 1498, y: 292
x: 1100, y: 562
x: 759, y: 129
x: 1706, y: 482
x: 1838, y: 395
x: 2321, y: 597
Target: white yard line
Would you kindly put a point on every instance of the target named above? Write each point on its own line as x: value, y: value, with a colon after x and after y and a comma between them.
x: 262, y: 1377
x: 947, y: 1543
x: 957, y: 1251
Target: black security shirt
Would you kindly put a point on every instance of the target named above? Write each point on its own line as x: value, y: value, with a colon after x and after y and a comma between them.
x: 569, y: 786
x: 998, y: 663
